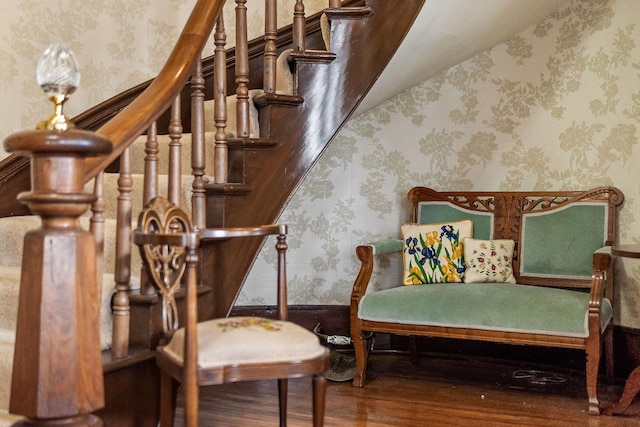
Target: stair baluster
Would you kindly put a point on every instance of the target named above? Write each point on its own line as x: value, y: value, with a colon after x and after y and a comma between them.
x: 151, y: 159
x: 198, y: 156
x: 242, y: 70
x: 299, y: 27
x: 270, y: 51
x: 221, y: 152
x: 335, y: 4
x: 175, y: 153
x: 122, y: 273
x: 97, y: 227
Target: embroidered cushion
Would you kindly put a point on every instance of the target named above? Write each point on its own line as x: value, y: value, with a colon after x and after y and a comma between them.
x: 488, y: 261
x: 433, y: 253
x: 247, y: 340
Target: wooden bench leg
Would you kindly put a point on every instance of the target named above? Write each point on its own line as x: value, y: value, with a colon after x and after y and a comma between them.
x: 361, y: 348
x: 593, y: 363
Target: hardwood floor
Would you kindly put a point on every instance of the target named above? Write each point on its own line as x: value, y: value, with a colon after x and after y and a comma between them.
x: 441, y: 391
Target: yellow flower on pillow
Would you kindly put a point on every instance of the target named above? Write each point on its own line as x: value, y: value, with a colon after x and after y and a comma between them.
x: 431, y: 238
x: 456, y: 250
x: 450, y: 273
x: 414, y: 274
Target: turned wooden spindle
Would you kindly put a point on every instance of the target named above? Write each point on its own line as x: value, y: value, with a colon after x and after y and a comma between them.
x: 121, y: 308
x: 221, y: 151
x: 57, y: 369
x: 198, y: 149
x: 299, y: 27
x: 242, y: 70
x: 270, y: 49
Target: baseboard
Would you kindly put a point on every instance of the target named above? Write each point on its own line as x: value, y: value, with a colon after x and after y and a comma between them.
x: 334, y: 320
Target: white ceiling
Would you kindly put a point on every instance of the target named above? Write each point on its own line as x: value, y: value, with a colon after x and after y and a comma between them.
x: 447, y: 32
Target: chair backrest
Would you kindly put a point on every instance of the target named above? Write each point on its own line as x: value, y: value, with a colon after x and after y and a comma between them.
x: 167, y: 239
x: 263, y: 231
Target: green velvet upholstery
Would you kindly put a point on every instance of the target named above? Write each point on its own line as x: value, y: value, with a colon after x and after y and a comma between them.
x: 491, y: 306
x: 386, y: 246
x: 551, y: 246
x: 430, y: 212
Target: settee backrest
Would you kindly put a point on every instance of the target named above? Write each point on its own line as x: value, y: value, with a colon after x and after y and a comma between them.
x: 556, y: 232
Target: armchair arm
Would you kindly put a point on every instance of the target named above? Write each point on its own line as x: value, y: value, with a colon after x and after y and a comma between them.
x: 385, y: 246
x: 229, y: 233
x: 366, y: 254
x: 602, y: 262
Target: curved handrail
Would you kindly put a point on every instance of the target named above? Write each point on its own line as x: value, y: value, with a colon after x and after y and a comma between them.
x: 134, y: 119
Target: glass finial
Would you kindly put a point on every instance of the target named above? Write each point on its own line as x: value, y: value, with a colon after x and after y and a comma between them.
x: 59, y: 76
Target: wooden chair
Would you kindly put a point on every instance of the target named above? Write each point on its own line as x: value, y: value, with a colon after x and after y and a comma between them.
x: 221, y: 350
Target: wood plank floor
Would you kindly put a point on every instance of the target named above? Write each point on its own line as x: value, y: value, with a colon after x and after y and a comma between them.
x: 441, y: 391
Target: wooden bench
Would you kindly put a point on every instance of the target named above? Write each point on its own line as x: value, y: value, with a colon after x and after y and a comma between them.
x: 563, y: 289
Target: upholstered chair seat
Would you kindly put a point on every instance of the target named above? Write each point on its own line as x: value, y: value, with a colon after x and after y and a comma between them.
x: 247, y: 340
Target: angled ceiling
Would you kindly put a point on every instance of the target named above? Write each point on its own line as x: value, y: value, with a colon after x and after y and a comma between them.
x: 447, y: 32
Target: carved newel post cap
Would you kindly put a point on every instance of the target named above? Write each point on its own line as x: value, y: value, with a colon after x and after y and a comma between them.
x: 57, y: 150
x: 58, y: 168
x: 73, y: 141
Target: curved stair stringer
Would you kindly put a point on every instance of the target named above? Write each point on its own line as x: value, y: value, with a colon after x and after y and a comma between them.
x: 331, y: 92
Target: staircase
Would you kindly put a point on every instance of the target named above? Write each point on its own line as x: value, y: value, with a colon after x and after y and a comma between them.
x: 291, y: 128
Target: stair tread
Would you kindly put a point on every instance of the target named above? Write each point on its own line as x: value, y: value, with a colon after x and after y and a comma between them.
x: 313, y: 56
x: 352, y: 12
x: 266, y: 99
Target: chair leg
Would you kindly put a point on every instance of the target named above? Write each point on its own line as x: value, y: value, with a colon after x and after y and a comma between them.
x: 168, y: 400
x: 283, y: 387
x: 319, y: 396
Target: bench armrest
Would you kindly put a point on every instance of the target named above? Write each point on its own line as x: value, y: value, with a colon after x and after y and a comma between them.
x: 385, y: 246
x: 366, y: 254
x: 601, y: 274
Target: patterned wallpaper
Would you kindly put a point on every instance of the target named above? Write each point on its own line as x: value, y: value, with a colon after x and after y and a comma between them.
x: 555, y: 107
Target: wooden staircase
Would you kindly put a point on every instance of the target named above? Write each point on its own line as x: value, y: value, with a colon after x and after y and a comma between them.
x: 263, y: 172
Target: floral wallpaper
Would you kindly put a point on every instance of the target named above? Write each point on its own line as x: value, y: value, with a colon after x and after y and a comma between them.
x: 555, y: 107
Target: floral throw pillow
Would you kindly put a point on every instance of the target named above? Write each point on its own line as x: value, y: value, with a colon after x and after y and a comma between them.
x: 488, y: 261
x: 433, y: 253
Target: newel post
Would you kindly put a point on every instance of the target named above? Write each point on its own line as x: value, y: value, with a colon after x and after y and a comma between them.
x: 57, y: 369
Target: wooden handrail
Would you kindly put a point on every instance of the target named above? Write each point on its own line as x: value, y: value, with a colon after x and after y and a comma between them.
x: 134, y: 119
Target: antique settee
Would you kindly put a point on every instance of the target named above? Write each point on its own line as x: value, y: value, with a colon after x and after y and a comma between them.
x: 537, y: 270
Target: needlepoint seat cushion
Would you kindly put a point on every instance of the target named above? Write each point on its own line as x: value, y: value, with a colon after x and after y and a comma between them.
x: 491, y: 306
x: 247, y: 340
